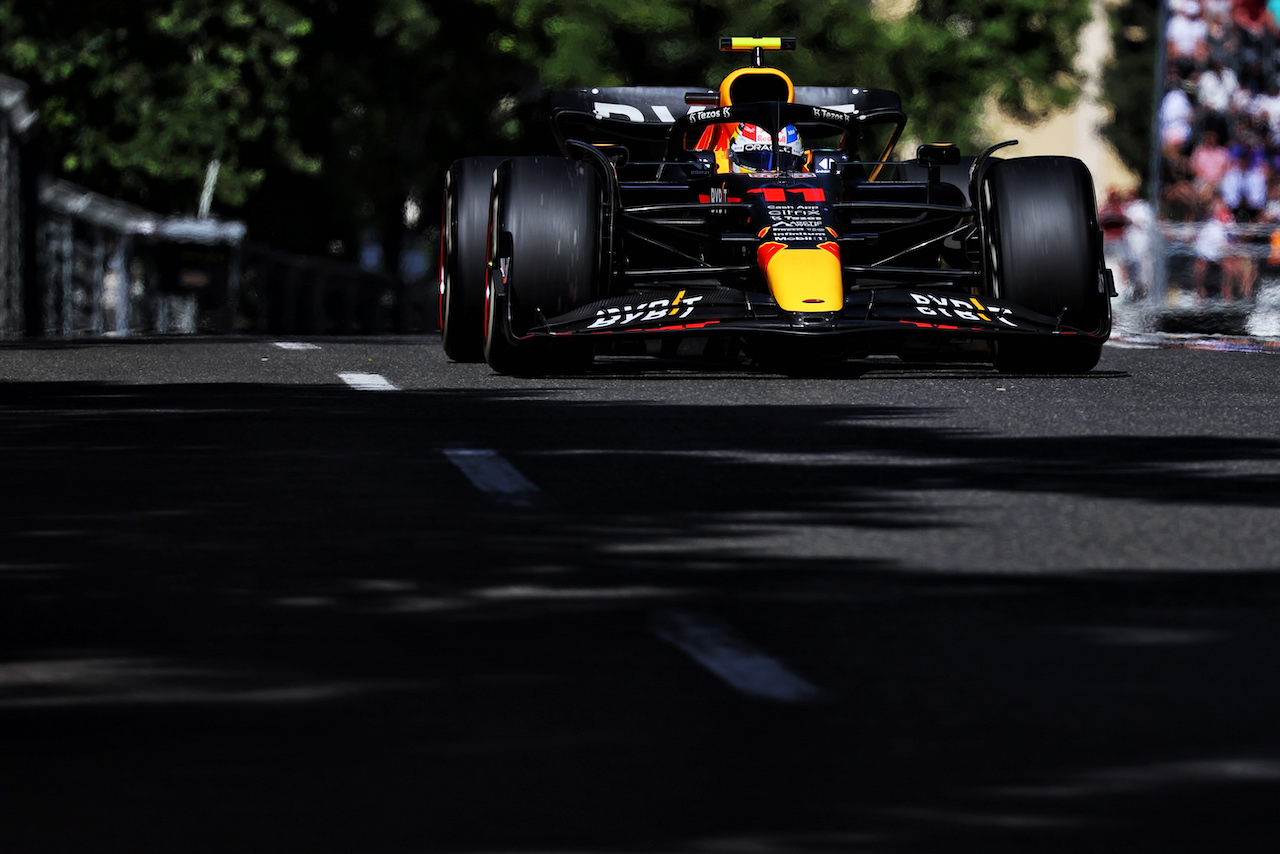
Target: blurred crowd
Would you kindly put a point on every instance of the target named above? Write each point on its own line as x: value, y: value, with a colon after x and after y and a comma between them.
x: 1219, y: 125
x: 1126, y: 221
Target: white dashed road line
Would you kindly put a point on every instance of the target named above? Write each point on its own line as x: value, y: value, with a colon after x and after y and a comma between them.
x: 494, y: 475
x: 715, y: 647
x: 488, y: 471
x: 367, y: 382
x: 296, y: 345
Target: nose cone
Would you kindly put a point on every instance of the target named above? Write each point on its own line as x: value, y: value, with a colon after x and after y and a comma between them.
x: 807, y: 279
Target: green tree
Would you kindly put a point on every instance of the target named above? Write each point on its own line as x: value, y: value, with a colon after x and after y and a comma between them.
x: 949, y: 55
x: 138, y: 99
x: 327, y: 116
x: 1128, y: 83
x: 944, y: 57
x: 388, y: 93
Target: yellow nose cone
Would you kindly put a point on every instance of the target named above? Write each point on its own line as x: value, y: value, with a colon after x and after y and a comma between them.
x: 806, y: 279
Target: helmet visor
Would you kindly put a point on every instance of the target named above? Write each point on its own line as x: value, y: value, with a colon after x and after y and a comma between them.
x: 762, y: 160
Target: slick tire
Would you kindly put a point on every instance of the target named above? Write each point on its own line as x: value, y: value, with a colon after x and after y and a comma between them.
x: 1043, y: 252
x: 464, y: 221
x: 543, y: 261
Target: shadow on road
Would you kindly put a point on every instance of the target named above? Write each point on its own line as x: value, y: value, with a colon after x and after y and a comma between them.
x: 268, y: 618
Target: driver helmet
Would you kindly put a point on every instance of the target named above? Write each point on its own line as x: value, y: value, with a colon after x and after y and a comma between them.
x: 751, y: 150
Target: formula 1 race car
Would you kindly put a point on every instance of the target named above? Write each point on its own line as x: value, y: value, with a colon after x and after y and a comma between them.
x: 768, y: 220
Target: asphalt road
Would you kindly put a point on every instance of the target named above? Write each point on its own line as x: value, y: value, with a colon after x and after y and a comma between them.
x: 345, y: 596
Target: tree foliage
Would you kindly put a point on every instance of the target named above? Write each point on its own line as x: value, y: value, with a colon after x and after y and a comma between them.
x: 1128, y: 83
x: 141, y: 97
x: 326, y: 115
x: 951, y: 54
x: 943, y: 57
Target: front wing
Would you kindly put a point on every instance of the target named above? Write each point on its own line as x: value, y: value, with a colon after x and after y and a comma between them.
x: 701, y: 311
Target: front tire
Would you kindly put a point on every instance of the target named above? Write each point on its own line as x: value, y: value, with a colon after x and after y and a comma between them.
x: 544, y: 260
x: 1044, y: 254
x: 464, y: 221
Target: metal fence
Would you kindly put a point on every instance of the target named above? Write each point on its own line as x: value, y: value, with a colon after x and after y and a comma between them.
x: 110, y: 268
x: 17, y: 175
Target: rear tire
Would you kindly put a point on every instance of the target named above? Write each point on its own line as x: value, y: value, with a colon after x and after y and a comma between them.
x: 544, y: 259
x: 1044, y: 254
x: 464, y: 223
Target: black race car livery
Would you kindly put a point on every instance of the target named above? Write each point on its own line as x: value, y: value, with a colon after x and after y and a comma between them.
x: 644, y: 228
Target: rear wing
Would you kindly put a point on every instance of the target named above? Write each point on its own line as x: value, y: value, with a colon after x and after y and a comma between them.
x: 646, y: 113
x: 662, y: 105
x: 621, y: 114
